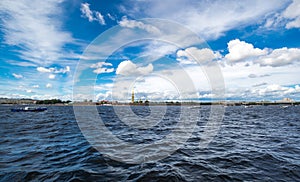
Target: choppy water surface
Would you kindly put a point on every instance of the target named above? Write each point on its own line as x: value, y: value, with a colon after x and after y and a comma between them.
x: 253, y: 144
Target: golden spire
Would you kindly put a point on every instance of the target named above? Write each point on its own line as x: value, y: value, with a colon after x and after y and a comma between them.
x: 132, y: 96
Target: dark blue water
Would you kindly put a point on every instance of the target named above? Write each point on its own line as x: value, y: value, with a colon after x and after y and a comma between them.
x: 254, y: 144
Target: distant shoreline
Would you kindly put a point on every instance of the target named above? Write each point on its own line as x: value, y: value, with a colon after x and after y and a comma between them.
x: 161, y: 104
x: 58, y: 102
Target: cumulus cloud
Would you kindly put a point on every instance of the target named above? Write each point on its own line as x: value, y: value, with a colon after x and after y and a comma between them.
x: 48, y: 85
x: 192, y: 54
x: 53, y: 70
x: 35, y: 86
x: 277, y: 90
x: 127, y: 68
x: 18, y: 76
x: 91, y: 15
x: 43, y: 70
x: 280, y: 57
x: 52, y: 76
x: 125, y: 22
x: 100, y: 67
x: 104, y: 96
x: 241, y: 51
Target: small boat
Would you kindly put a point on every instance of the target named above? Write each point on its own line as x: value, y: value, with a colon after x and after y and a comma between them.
x: 248, y: 106
x: 195, y: 107
x: 29, y: 109
x: 284, y: 107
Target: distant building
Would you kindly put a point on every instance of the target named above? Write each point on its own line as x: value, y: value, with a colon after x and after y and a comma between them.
x: 287, y: 100
x: 16, y: 101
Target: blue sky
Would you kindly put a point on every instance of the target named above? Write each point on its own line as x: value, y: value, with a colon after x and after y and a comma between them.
x: 49, y: 47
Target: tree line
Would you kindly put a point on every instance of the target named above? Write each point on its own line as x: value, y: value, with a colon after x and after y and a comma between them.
x: 52, y: 101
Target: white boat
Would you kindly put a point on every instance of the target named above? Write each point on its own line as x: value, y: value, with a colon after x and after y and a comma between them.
x: 29, y: 109
x: 284, y: 107
x: 195, y: 107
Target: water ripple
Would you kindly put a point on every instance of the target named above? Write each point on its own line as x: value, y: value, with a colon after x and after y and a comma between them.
x: 254, y: 144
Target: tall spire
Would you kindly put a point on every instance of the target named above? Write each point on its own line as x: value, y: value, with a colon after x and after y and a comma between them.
x: 132, y: 96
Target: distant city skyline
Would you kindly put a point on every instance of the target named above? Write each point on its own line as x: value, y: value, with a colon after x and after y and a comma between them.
x: 255, y: 43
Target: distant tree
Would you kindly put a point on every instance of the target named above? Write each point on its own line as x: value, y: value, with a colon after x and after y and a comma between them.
x: 146, y: 102
x: 52, y: 101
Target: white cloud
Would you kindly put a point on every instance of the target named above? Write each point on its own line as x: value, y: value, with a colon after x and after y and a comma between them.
x: 100, y: 18
x: 156, y: 50
x: 104, y: 96
x: 86, y: 12
x: 100, y: 64
x: 91, y: 15
x: 52, y: 76
x: 125, y: 22
x: 48, y: 85
x: 288, y: 17
x: 111, y: 17
x: 63, y: 70
x: 18, y: 76
x: 53, y: 70
x: 104, y: 87
x: 21, y: 63
x: 277, y: 90
x: 280, y: 57
x: 241, y: 51
x: 101, y: 67
x: 170, y: 38
x: 129, y: 68
x: 43, y: 70
x: 103, y: 70
x: 243, y: 82
x: 209, y: 19
x: 173, y: 83
x: 36, y: 28
x: 192, y: 54
x: 292, y: 12
x: 35, y: 86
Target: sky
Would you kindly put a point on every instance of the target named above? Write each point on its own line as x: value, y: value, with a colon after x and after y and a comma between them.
x: 161, y: 50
